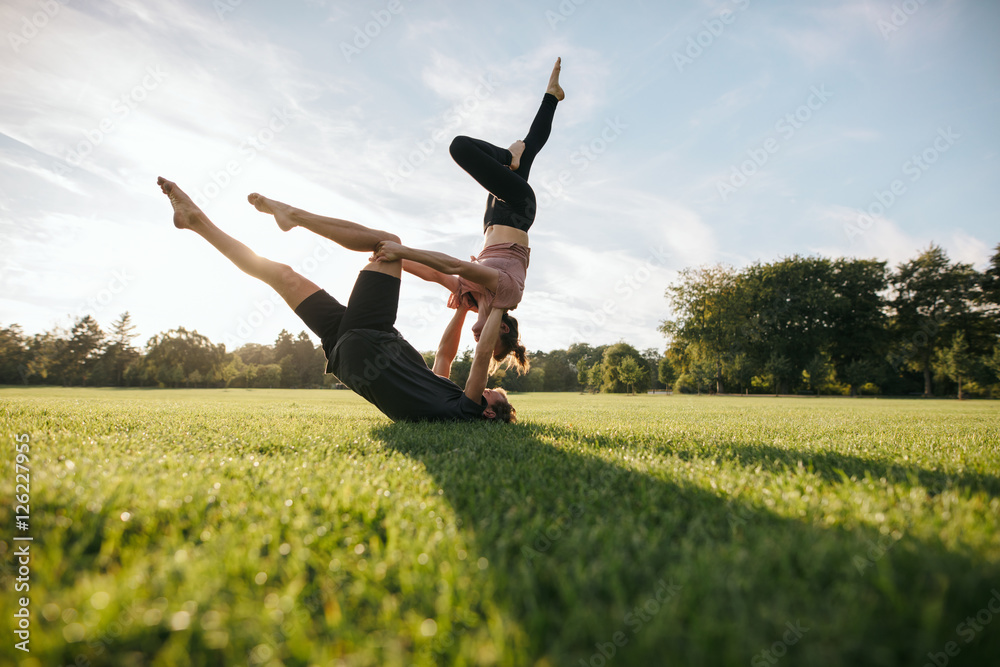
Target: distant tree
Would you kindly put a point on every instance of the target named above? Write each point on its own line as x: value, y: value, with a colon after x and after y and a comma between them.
x: 933, y: 300
x: 595, y: 376
x: 778, y: 369
x: 742, y: 371
x: 710, y: 309
x: 174, y: 355
x: 461, y: 367
x: 268, y: 376
x: 956, y: 361
x: 818, y: 372
x: 77, y: 356
x: 119, y: 352
x: 582, y: 373
x: 611, y: 363
x: 14, y: 355
x: 560, y: 374
x: 234, y: 373
x: 631, y: 372
x: 860, y: 372
x: 857, y: 336
x: 653, y: 356
x: 255, y: 353
x: 991, y: 289
x: 666, y: 372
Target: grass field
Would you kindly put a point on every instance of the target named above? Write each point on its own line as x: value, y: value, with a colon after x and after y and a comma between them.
x: 263, y: 527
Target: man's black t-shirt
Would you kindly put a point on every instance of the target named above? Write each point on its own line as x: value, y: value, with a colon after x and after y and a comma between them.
x: 387, y: 372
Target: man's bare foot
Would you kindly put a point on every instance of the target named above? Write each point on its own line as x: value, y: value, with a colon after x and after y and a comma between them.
x: 186, y: 213
x: 282, y: 212
x: 516, y: 151
x: 554, y: 87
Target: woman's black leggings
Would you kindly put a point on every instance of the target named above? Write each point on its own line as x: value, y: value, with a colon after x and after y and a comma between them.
x: 511, y: 201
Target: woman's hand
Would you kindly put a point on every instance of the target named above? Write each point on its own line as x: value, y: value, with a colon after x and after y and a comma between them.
x: 387, y: 251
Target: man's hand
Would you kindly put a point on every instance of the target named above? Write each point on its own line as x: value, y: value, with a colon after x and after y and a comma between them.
x: 387, y: 251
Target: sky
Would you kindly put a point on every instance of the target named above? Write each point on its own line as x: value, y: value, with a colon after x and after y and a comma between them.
x: 692, y: 133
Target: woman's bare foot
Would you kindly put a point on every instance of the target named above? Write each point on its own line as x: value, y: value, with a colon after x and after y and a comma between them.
x: 554, y: 87
x: 186, y: 213
x: 516, y: 151
x: 282, y: 212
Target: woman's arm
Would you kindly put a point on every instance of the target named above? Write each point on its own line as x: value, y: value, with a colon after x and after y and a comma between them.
x: 431, y: 275
x: 487, y: 276
x: 448, y: 347
x: 480, y: 371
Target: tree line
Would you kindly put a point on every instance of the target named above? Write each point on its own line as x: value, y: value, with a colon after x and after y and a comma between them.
x: 837, y: 326
x: 86, y: 355
x: 798, y: 325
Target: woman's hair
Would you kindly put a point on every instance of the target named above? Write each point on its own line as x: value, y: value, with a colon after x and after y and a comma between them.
x: 514, y: 353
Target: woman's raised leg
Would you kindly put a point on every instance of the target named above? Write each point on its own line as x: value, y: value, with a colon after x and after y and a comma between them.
x: 349, y: 234
x: 291, y: 286
x: 541, y: 126
x: 490, y: 166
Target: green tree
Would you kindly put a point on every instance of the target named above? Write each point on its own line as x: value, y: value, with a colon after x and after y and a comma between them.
x: 631, y: 372
x: 611, y: 364
x: 956, y: 361
x: 174, y: 355
x: 933, y: 300
x: 14, y: 355
x: 234, y: 374
x: 858, y: 336
x: 666, y: 372
x: 120, y: 352
x: 560, y: 374
x: 268, y: 375
x: 778, y: 369
x: 710, y: 309
x: 595, y: 376
x: 77, y: 357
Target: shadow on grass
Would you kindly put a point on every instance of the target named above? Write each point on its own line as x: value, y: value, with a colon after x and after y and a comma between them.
x: 834, y: 467
x: 590, y: 559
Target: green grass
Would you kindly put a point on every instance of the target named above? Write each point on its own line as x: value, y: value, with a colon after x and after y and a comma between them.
x: 303, y: 528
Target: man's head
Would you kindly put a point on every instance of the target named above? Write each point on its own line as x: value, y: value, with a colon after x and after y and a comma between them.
x: 498, y: 407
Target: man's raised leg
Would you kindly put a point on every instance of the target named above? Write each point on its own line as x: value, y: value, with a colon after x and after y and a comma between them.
x: 349, y: 234
x: 291, y: 286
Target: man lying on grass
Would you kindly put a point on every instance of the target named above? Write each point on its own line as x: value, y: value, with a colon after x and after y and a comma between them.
x: 362, y: 347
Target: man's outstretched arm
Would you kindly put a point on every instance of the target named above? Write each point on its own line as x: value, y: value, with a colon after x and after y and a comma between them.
x: 480, y: 372
x: 448, y: 347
